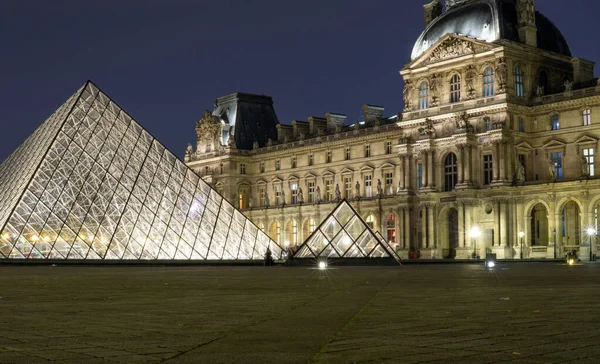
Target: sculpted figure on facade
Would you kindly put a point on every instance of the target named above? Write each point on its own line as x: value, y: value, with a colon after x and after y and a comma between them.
x: 379, y: 188
x: 501, y: 74
x: 338, y: 194
x: 526, y: 12
x: 283, y: 197
x: 552, y: 169
x: 407, y: 94
x: 255, y: 145
x: 568, y: 86
x: 540, y: 91
x: 209, y: 130
x: 461, y: 121
x: 451, y: 48
x: 189, y: 151
x: 520, y: 173
x: 300, y: 196
x: 435, y: 86
x: 318, y: 194
x: 427, y: 129
x: 585, y: 170
x: 267, y: 202
x: 357, y: 190
x: 470, y: 75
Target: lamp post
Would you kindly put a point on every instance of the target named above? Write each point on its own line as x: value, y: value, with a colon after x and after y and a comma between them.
x: 474, y: 234
x: 591, y: 232
x: 521, y: 235
x: 554, y: 233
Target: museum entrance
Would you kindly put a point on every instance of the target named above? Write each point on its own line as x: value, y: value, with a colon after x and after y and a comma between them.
x: 449, y: 233
x: 539, y: 226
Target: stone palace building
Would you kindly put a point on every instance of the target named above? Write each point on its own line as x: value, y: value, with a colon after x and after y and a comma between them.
x: 494, y: 151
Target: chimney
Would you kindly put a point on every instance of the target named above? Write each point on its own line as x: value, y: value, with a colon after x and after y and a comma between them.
x: 432, y: 11
x: 334, y: 120
x: 372, y: 112
x: 526, y: 19
x: 583, y: 71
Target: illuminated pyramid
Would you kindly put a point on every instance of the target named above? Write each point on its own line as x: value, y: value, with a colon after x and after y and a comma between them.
x: 91, y: 183
x: 344, y: 234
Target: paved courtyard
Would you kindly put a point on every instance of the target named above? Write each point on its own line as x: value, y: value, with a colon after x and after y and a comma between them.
x: 519, y: 313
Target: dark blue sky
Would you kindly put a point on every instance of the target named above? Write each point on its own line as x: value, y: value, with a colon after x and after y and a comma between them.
x: 166, y: 61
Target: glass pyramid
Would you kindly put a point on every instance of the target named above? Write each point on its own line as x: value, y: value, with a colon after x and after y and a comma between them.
x: 91, y: 183
x: 344, y: 234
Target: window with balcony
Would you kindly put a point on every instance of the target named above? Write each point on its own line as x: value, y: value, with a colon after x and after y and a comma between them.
x: 389, y: 183
x: 329, y: 190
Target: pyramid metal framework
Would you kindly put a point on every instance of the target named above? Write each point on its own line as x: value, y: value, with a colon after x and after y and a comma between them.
x: 344, y: 234
x: 91, y: 183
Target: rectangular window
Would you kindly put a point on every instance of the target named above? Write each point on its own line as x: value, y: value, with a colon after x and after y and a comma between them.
x: 487, y: 124
x: 311, y: 159
x: 488, y: 169
x: 328, y: 158
x: 242, y: 168
x: 368, y: 186
x: 420, y: 175
x: 278, y: 195
x: 348, y: 156
x: 588, y: 154
x: 347, y: 188
x: 294, y: 162
x: 557, y: 159
x: 263, y: 196
x: 262, y: 167
x: 521, y: 125
x: 587, y: 117
x: 329, y: 190
x: 389, y: 183
x: 367, y: 151
x: 294, y: 188
x: 311, y: 192
x: 388, y: 147
x: 555, y: 122
x: 277, y: 165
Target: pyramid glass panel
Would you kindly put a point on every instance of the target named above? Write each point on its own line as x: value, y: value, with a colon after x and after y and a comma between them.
x: 344, y: 234
x: 91, y: 183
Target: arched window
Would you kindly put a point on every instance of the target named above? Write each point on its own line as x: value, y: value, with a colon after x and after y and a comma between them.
x: 390, y: 225
x: 292, y: 233
x: 371, y: 221
x: 455, y: 88
x: 275, y: 232
x: 423, y: 96
x: 587, y: 117
x: 519, y: 89
x: 488, y: 82
x: 543, y: 83
x: 450, y: 172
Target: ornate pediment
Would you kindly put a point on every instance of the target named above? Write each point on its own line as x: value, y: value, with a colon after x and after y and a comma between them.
x: 552, y: 144
x: 586, y: 139
x: 451, y: 47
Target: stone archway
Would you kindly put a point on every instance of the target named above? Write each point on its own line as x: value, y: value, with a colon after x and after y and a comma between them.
x: 449, y: 233
x: 569, y: 231
x: 538, y: 232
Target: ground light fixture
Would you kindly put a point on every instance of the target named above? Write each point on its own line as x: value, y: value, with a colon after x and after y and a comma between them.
x: 322, y: 265
x: 490, y: 261
x: 521, y: 236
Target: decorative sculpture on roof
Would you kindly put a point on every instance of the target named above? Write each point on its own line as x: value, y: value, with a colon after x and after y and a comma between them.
x: 540, y: 91
x: 188, y: 152
x: 255, y: 145
x: 451, y: 48
x: 568, y: 85
x: 209, y: 130
x: 526, y: 12
x: 455, y: 3
x: 501, y: 74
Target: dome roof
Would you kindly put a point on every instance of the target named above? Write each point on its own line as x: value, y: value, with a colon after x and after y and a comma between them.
x: 489, y: 20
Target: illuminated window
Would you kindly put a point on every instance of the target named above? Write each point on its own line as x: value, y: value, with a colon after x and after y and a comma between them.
x: 294, y: 188
x: 455, y: 88
x: 370, y: 221
x: 557, y: 160
x: 347, y: 188
x: 423, y: 96
x: 294, y: 236
x: 587, y: 117
x: 329, y: 190
x: 590, y: 159
x: 391, y: 229
x: 311, y: 192
x: 488, y: 82
x: 368, y: 186
x: 555, y: 122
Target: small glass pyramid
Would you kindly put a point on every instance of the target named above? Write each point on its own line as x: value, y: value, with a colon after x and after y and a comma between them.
x: 344, y: 234
x: 91, y: 183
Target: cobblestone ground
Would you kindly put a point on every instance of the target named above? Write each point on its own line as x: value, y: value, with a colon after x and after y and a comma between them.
x: 518, y: 313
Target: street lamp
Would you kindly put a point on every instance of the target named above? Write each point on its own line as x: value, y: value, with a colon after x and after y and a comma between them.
x: 591, y: 232
x: 521, y: 235
x: 474, y: 234
x: 554, y: 233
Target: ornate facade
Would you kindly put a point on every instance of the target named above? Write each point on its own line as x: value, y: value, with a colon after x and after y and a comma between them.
x: 498, y: 135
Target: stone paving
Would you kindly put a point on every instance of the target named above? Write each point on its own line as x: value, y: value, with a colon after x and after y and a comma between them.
x: 518, y: 313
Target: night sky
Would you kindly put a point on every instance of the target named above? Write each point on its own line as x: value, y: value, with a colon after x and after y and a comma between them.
x: 166, y: 61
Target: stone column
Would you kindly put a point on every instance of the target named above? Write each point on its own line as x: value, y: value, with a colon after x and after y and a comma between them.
x: 504, y: 224
x: 400, y: 228
x: 402, y: 175
x: 431, y: 227
x: 431, y: 169
x: 407, y: 173
x: 468, y: 164
x: 496, y: 161
x: 424, y: 227
x: 497, y: 229
x: 462, y: 238
x: 406, y: 228
x: 468, y: 222
x: 461, y: 164
x: 502, y: 161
